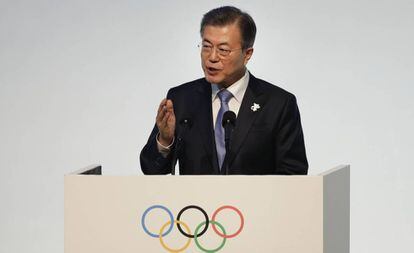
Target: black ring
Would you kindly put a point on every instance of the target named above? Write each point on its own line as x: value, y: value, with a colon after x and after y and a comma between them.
x: 201, y: 210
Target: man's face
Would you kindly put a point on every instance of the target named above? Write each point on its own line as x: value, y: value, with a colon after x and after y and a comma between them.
x: 218, y: 69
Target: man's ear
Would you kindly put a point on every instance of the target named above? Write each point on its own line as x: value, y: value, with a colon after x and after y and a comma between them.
x: 249, y: 53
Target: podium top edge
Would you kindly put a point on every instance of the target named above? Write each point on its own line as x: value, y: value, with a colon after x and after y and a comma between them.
x: 335, y: 169
x: 94, y: 169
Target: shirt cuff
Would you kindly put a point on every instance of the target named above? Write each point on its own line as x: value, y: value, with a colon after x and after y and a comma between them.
x: 164, y: 150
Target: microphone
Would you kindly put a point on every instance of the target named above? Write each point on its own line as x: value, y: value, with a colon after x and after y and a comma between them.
x: 185, y: 124
x: 228, y: 122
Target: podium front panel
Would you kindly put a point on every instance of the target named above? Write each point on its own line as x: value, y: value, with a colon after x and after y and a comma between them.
x: 109, y: 214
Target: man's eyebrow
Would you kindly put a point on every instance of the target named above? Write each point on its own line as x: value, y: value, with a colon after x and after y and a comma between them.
x: 221, y: 44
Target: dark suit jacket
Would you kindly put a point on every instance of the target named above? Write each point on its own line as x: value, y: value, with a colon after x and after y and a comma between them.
x: 266, y: 141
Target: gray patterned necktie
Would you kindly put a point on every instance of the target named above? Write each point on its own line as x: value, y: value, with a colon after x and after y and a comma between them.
x: 225, y: 97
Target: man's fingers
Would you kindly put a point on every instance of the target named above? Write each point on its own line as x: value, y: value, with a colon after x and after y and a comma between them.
x: 160, y: 115
x: 172, y: 111
x: 168, y: 120
x: 171, y: 119
x: 169, y: 104
x: 162, y: 104
x: 161, y: 110
x: 169, y: 107
x: 165, y: 106
x: 165, y: 118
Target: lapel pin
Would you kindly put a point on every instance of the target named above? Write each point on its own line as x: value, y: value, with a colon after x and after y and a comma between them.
x: 255, y: 107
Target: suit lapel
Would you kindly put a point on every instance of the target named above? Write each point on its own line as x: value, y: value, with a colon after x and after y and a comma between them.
x: 246, y: 116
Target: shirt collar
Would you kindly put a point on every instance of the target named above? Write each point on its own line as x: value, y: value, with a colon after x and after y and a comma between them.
x: 237, y: 89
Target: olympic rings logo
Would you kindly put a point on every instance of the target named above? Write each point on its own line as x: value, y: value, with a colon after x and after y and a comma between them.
x: 199, y: 230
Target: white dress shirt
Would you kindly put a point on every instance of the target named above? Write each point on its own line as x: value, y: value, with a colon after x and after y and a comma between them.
x: 237, y: 89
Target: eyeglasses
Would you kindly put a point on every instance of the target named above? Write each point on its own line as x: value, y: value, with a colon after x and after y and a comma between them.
x: 207, y: 49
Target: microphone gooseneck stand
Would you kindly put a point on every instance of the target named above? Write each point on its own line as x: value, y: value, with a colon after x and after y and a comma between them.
x: 228, y: 122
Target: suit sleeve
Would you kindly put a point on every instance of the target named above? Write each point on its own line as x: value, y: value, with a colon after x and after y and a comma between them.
x: 290, y: 147
x: 151, y: 160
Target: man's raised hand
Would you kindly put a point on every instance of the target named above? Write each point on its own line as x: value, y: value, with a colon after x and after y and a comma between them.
x: 166, y: 122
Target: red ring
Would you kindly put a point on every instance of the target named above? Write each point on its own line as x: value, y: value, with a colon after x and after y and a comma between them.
x: 241, y: 223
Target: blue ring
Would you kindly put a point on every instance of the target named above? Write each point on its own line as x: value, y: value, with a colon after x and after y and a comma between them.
x: 145, y: 214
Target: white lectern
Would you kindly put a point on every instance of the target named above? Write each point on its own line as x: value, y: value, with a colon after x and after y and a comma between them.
x: 283, y: 214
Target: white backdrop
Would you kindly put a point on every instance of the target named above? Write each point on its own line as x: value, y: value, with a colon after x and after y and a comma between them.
x: 80, y: 82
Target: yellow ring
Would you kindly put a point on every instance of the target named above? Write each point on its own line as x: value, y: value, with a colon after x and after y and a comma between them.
x: 175, y: 250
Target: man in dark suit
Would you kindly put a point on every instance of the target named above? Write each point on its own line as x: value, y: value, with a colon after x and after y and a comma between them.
x: 267, y: 137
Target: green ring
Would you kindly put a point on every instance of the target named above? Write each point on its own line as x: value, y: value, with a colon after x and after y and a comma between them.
x: 209, y: 250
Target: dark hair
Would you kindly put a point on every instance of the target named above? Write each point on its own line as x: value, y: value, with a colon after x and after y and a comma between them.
x: 227, y: 15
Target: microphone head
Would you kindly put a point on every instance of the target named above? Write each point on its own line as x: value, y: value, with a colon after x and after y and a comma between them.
x: 229, y: 117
